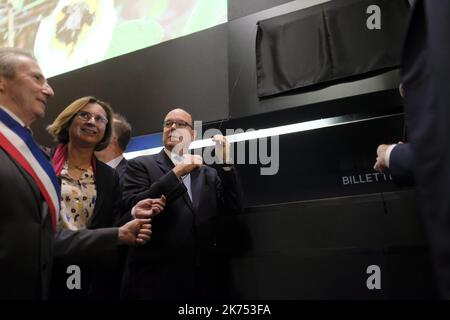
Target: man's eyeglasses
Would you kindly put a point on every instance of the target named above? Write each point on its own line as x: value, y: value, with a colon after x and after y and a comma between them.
x: 86, y: 116
x: 178, y: 124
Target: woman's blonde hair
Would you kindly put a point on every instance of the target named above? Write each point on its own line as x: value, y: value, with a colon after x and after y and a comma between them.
x: 59, y: 129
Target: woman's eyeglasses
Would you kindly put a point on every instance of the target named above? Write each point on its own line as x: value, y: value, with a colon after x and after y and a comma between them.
x: 86, y: 116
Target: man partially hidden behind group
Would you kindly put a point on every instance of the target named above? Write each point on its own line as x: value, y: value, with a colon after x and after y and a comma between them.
x: 30, y: 191
x: 112, y: 155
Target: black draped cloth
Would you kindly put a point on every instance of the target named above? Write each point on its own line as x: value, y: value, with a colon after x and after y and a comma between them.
x: 328, y: 42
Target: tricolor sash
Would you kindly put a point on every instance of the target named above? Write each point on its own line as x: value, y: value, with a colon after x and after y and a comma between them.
x: 20, y: 145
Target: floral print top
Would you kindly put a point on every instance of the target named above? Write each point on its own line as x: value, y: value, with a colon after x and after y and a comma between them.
x: 77, y: 199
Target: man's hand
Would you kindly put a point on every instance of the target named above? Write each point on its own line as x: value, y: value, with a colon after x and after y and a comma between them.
x: 137, y: 231
x: 148, y: 208
x: 222, y: 149
x: 189, y: 163
x: 401, y: 89
x: 380, y: 164
x: 158, y: 205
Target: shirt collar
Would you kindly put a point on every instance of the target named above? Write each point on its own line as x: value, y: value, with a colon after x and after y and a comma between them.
x: 14, y: 116
x: 175, y: 158
x: 115, y: 162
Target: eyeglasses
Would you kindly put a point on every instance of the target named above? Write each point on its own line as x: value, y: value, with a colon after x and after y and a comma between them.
x: 178, y: 124
x: 86, y: 116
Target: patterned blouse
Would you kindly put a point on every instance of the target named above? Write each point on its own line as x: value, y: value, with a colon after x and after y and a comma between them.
x: 77, y: 199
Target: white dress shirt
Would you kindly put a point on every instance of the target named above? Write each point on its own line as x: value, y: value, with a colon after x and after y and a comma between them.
x: 115, y: 162
x: 177, y: 159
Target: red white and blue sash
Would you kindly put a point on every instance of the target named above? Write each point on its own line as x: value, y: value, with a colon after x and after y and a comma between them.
x: 20, y: 145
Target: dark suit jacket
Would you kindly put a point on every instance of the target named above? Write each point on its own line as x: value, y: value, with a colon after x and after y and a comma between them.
x: 27, y: 239
x: 109, y: 197
x: 180, y: 260
x: 124, y: 218
x: 401, y: 165
x: 97, y: 272
x: 121, y: 167
x: 425, y: 75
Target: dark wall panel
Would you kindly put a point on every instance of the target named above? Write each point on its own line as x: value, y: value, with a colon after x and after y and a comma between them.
x: 321, y: 249
x: 241, y: 8
x: 328, y: 162
x: 190, y: 71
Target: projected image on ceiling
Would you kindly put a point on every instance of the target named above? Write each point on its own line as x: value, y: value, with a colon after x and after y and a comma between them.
x: 70, y: 34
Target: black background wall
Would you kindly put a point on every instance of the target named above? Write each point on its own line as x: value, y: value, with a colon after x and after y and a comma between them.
x: 304, y: 233
x: 321, y: 249
x: 323, y: 163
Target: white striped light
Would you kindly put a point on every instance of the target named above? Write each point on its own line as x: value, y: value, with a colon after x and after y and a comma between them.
x: 270, y: 132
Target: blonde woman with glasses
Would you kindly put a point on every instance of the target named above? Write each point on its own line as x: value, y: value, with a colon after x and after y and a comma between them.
x: 90, y: 192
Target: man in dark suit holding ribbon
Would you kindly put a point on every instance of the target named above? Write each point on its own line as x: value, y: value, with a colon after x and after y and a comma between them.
x: 181, y: 262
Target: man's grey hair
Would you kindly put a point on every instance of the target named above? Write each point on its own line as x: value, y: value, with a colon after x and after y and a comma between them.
x: 8, y: 63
